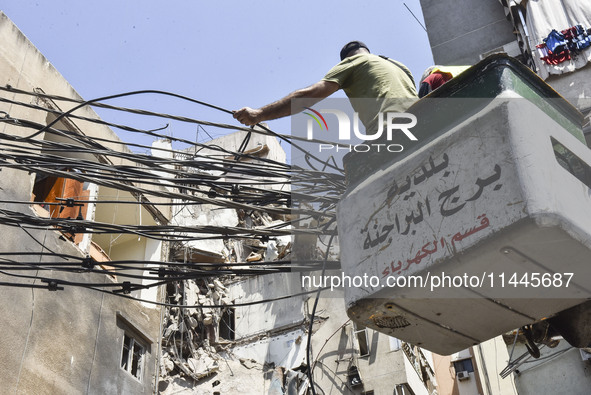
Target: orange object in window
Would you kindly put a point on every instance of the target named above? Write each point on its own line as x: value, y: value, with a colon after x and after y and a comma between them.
x: 52, y: 189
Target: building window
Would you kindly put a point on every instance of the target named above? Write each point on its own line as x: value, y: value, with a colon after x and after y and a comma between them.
x: 362, y: 341
x: 132, y: 356
x: 464, y: 365
x: 395, y: 343
x: 58, y: 197
x: 572, y: 163
x: 227, y: 325
x: 403, y: 389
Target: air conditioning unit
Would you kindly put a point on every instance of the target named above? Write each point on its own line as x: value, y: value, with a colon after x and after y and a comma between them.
x: 353, y: 376
x: 463, y: 375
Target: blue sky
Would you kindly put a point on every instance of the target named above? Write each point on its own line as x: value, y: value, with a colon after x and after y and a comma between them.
x: 229, y: 53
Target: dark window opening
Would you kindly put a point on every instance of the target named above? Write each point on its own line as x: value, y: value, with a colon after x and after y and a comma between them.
x: 132, y: 356
x: 227, y: 325
x: 572, y: 163
x: 464, y: 365
x: 403, y: 389
x: 58, y: 197
x: 362, y: 341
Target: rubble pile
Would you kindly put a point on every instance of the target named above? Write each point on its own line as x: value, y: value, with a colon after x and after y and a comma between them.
x: 189, y: 332
x: 193, y: 352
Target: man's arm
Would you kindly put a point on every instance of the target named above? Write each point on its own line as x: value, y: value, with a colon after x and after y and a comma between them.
x: 282, y: 107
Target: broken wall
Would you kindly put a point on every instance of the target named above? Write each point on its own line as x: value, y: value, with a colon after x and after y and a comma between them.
x: 70, y: 340
x: 262, y: 318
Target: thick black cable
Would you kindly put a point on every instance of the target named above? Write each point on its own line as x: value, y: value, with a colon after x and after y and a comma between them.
x: 53, y: 283
x: 125, y: 262
x: 217, y: 306
x: 184, y: 163
x: 95, y: 101
x: 95, y: 177
x: 159, y: 162
x: 101, y: 150
x: 312, y: 315
x: 155, y: 114
x: 87, y: 141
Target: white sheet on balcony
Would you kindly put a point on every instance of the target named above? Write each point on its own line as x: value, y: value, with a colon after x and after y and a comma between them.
x: 544, y: 15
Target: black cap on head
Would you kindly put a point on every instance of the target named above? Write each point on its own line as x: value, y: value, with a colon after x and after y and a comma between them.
x: 352, y: 46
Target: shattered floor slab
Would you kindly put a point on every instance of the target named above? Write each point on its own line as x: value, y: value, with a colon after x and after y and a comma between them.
x: 232, y: 377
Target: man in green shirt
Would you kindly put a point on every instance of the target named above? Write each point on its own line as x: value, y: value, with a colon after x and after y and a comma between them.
x: 374, y: 84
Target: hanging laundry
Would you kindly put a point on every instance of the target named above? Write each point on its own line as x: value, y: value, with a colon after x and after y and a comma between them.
x: 582, y: 38
x: 559, y: 46
x: 556, y: 42
x: 551, y: 58
x: 569, y: 36
x: 542, y: 51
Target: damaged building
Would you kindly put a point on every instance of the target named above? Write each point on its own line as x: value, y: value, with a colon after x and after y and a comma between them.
x: 174, y: 271
x: 257, y: 327
x: 180, y: 271
x: 59, y: 337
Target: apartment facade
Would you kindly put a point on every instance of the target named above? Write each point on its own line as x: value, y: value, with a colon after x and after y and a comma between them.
x: 59, y: 334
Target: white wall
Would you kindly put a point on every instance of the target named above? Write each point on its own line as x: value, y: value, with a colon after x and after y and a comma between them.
x: 263, y: 317
x: 153, y: 252
x: 139, y: 249
x: 205, y: 214
x: 492, y: 357
x: 413, y: 379
x: 287, y: 350
x: 559, y: 370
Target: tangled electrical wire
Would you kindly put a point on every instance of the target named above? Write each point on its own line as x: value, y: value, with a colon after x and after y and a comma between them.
x: 198, y: 174
x: 48, y: 238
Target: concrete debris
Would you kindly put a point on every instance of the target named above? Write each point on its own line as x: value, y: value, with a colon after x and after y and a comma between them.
x: 190, y: 332
x: 284, y: 251
x: 219, y: 285
x: 272, y: 253
x: 166, y: 363
x: 192, y: 322
x: 276, y: 387
x: 207, y: 348
x: 202, y: 367
x: 252, y: 243
x: 296, y: 383
x: 249, y: 363
x: 192, y: 294
x: 254, y: 257
x: 191, y: 362
x: 231, y: 378
x: 265, y: 219
x: 208, y: 319
x: 177, y: 297
x: 173, y: 327
x: 254, y: 219
x: 287, y: 382
x: 236, y: 250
